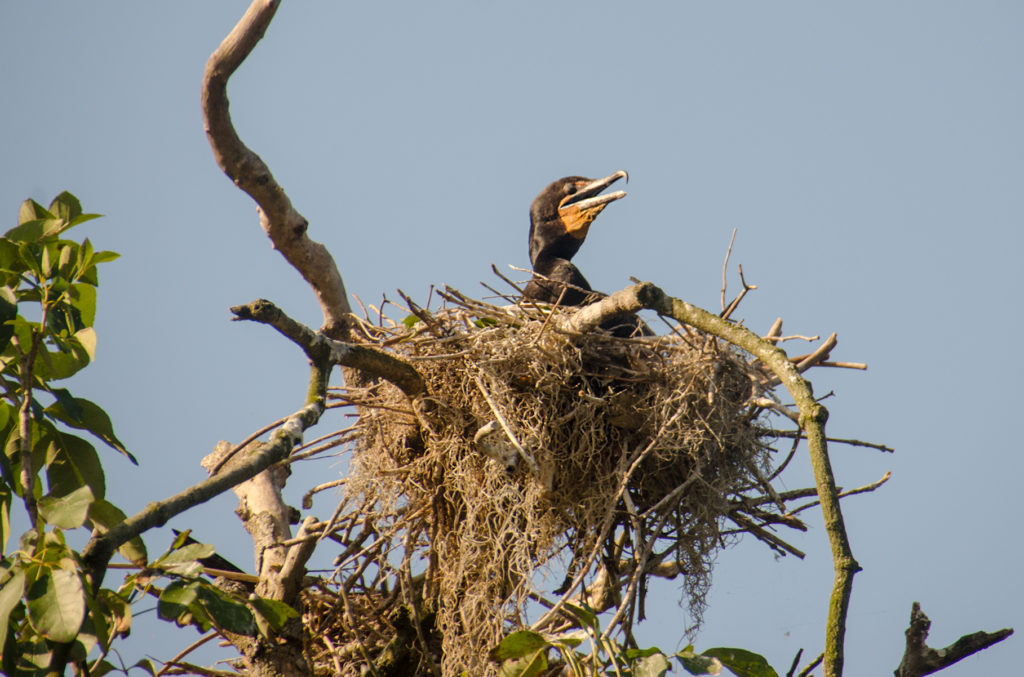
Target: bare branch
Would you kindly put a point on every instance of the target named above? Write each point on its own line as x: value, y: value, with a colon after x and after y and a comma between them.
x: 859, y: 490
x: 279, y: 219
x: 735, y: 303
x: 317, y: 347
x: 725, y: 266
x: 796, y: 434
x: 100, y: 548
x: 920, y: 659
x: 285, y: 583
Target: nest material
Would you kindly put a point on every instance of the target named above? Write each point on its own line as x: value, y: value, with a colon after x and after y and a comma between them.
x: 625, y: 457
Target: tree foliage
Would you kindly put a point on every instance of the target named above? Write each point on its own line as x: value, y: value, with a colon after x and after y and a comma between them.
x: 49, y: 609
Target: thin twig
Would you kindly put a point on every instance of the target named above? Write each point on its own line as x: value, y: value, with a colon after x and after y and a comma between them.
x: 725, y: 266
x: 241, y: 445
x: 186, y: 651
x: 815, y: 663
x: 851, y: 492
x: 799, y: 434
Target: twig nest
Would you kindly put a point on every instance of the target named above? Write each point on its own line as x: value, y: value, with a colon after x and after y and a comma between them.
x: 539, y: 452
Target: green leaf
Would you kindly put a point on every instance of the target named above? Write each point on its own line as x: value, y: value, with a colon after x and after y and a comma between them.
x: 410, y: 321
x: 68, y: 251
x: 6, y: 497
x: 66, y: 206
x: 633, y: 654
x: 47, y: 260
x: 89, y: 634
x: 181, y: 539
x: 83, y: 299
x: 10, y: 596
x: 29, y: 253
x: 8, y: 311
x: 696, y: 664
x: 527, y: 666
x: 105, y: 256
x: 585, y: 616
x: 102, y: 667
x: 226, y: 612
x: 32, y: 231
x: 96, y: 627
x: 276, y: 613
x: 51, y: 366
x: 93, y: 419
x: 654, y: 665
x: 484, y: 322
x: 188, y: 553
x: 87, y: 339
x: 9, y: 259
x: 67, y: 512
x: 31, y: 210
x: 570, y: 639
x: 147, y: 665
x: 82, y: 218
x: 517, y: 645
x: 104, y: 515
x: 185, y: 561
x: 742, y: 663
x: 56, y: 604
x: 73, y: 463
x: 175, y: 600
x: 68, y: 402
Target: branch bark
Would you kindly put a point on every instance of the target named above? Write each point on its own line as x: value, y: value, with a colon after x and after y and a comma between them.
x: 319, y: 347
x: 285, y: 226
x: 920, y: 659
x: 812, y: 420
x: 101, y: 547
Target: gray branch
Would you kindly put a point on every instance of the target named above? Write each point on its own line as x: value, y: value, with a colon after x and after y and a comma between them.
x: 321, y: 349
x: 279, y: 219
x: 920, y: 659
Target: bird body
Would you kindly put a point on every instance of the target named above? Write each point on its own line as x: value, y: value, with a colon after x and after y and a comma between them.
x: 560, y: 217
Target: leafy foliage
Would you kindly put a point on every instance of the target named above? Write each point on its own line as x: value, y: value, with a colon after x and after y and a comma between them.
x: 47, y: 309
x: 525, y: 653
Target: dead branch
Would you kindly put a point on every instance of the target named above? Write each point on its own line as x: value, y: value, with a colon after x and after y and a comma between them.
x: 319, y: 347
x: 100, y: 548
x: 725, y: 266
x: 735, y: 303
x: 279, y: 219
x: 920, y: 659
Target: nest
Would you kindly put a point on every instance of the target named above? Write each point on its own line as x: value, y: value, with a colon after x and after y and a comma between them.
x: 543, y: 467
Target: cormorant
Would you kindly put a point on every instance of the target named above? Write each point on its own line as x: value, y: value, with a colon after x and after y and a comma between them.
x: 560, y: 217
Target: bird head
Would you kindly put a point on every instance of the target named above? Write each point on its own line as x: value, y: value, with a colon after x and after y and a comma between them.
x: 561, y: 214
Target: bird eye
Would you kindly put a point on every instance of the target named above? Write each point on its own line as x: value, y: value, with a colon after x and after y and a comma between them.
x: 570, y: 190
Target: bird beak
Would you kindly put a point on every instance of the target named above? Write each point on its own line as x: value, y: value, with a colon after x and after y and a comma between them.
x: 578, y: 211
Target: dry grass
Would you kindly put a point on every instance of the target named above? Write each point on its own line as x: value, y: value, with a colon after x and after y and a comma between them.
x: 635, y: 454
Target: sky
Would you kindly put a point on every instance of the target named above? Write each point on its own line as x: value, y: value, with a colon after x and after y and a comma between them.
x: 870, y: 156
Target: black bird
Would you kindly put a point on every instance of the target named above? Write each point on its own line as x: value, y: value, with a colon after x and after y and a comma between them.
x: 560, y: 218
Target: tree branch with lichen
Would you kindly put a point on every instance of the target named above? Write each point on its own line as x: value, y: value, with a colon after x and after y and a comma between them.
x: 812, y: 420
x: 101, y: 547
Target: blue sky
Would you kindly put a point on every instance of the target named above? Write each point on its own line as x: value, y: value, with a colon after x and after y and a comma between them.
x: 871, y: 156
